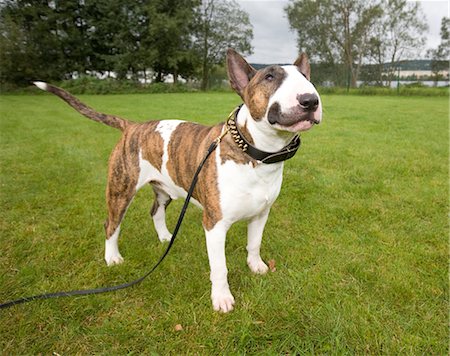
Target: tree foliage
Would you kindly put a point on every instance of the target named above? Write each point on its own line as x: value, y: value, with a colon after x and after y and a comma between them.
x: 440, y: 56
x: 398, y: 34
x: 220, y: 24
x: 354, y: 32
x: 170, y: 35
x: 36, y: 41
x: 118, y: 35
x: 334, y: 31
x: 141, y: 39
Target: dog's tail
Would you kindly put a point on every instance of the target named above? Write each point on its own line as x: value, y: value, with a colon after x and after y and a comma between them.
x: 83, y: 109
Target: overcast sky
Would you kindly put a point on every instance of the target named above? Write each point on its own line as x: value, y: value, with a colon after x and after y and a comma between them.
x: 273, y: 42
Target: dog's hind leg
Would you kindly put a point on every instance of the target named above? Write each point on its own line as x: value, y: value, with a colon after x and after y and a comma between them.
x: 158, y: 213
x: 118, y: 202
x: 118, y: 199
x: 112, y: 254
x: 120, y: 191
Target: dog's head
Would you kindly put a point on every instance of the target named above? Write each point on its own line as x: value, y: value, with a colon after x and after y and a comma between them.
x: 282, y: 96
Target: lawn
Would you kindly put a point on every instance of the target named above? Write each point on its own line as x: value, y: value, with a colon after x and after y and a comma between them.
x: 359, y: 234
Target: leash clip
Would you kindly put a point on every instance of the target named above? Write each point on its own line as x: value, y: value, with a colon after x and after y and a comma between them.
x: 222, y: 135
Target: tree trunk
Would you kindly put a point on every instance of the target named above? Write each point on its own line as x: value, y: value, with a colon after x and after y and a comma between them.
x: 380, y: 68
x: 205, y: 71
x: 159, y: 76
x: 205, y: 74
x: 393, y: 65
x: 205, y: 77
x: 348, y: 49
x: 175, y: 76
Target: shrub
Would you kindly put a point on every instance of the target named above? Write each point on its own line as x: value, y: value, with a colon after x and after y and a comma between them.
x: 89, y: 85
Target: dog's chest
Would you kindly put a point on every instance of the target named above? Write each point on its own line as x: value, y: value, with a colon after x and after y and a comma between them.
x: 247, y: 191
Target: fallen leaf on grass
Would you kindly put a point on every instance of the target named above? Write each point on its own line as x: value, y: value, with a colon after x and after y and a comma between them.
x: 272, y: 266
x: 178, y: 327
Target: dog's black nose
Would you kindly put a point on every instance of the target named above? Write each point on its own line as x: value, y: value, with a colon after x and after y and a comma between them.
x: 308, y: 102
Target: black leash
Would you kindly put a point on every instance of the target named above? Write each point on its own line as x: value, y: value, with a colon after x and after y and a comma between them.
x: 211, y: 149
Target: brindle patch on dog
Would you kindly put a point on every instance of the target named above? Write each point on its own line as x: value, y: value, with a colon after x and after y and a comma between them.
x: 260, y: 89
x: 123, y: 176
x: 152, y: 143
x: 229, y: 150
x: 188, y: 145
x: 124, y: 168
x: 110, y: 120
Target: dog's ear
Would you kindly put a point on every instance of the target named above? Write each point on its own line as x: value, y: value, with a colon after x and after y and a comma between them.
x: 239, y: 71
x: 303, y: 66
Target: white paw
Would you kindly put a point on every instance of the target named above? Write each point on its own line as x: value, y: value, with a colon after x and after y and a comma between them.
x: 165, y: 237
x: 257, y: 265
x: 113, y: 259
x: 223, y: 302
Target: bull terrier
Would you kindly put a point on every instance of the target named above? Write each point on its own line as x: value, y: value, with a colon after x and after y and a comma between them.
x: 241, y: 179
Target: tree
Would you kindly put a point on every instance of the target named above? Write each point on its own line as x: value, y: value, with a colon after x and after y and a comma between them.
x: 14, y: 55
x: 118, y: 35
x: 398, y: 33
x: 440, y: 56
x: 220, y: 24
x: 43, y: 39
x: 54, y: 39
x: 335, y: 31
x: 25, y: 52
x: 170, y: 37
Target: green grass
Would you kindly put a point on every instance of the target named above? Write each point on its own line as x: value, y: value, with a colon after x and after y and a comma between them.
x: 359, y: 235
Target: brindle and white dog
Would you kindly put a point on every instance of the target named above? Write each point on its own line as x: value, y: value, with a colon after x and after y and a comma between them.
x: 279, y: 101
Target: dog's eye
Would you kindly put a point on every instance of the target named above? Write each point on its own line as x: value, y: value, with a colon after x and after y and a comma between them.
x: 268, y: 77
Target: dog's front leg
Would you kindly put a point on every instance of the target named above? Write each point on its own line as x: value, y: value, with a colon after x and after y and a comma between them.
x: 222, y: 299
x: 255, y: 232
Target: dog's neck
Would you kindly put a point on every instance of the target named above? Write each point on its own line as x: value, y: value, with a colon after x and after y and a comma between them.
x: 264, y: 136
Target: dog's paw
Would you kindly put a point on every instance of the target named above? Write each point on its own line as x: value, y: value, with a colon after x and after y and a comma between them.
x: 165, y: 237
x: 223, y: 302
x: 114, y: 259
x: 257, y: 265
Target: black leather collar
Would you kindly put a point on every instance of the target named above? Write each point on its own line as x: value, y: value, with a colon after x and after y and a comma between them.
x: 261, y: 156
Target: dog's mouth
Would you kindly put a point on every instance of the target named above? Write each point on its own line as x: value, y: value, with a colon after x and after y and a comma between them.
x: 295, y: 120
x: 301, y: 125
x: 311, y: 117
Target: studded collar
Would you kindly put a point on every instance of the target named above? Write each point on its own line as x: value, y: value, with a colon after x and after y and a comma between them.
x: 264, y: 157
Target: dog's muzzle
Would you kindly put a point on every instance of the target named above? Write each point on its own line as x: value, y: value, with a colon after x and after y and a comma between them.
x: 306, y: 110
